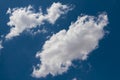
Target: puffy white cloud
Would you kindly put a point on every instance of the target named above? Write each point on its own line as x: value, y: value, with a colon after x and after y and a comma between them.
x: 22, y: 19
x: 25, y: 18
x: 77, y: 42
x: 55, y: 11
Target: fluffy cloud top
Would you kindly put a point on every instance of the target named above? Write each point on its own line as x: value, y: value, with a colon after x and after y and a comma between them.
x: 25, y: 18
x: 77, y: 42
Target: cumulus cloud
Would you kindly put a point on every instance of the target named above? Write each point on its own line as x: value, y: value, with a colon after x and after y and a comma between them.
x: 55, y: 11
x: 22, y: 19
x: 77, y: 42
x: 25, y: 18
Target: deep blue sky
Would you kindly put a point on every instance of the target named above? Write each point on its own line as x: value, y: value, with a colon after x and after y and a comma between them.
x: 18, y: 55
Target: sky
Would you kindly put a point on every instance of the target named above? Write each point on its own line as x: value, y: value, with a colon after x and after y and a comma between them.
x: 59, y: 40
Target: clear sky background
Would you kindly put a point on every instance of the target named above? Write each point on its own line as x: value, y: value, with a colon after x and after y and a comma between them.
x: 18, y: 55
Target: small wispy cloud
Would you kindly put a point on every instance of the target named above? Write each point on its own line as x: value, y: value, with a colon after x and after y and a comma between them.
x: 74, y: 79
x: 1, y: 44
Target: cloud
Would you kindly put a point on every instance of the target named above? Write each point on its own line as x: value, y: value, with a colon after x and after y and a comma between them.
x: 22, y: 19
x: 38, y: 31
x: 74, y: 79
x: 77, y: 42
x: 55, y: 11
x: 25, y: 18
x: 1, y: 45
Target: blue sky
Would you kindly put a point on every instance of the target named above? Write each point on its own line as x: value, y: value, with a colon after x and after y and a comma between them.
x: 28, y: 32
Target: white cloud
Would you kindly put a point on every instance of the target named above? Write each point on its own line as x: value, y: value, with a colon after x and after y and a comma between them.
x: 25, y: 18
x: 1, y: 45
x: 55, y: 11
x: 22, y: 19
x: 74, y: 79
x: 77, y: 42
